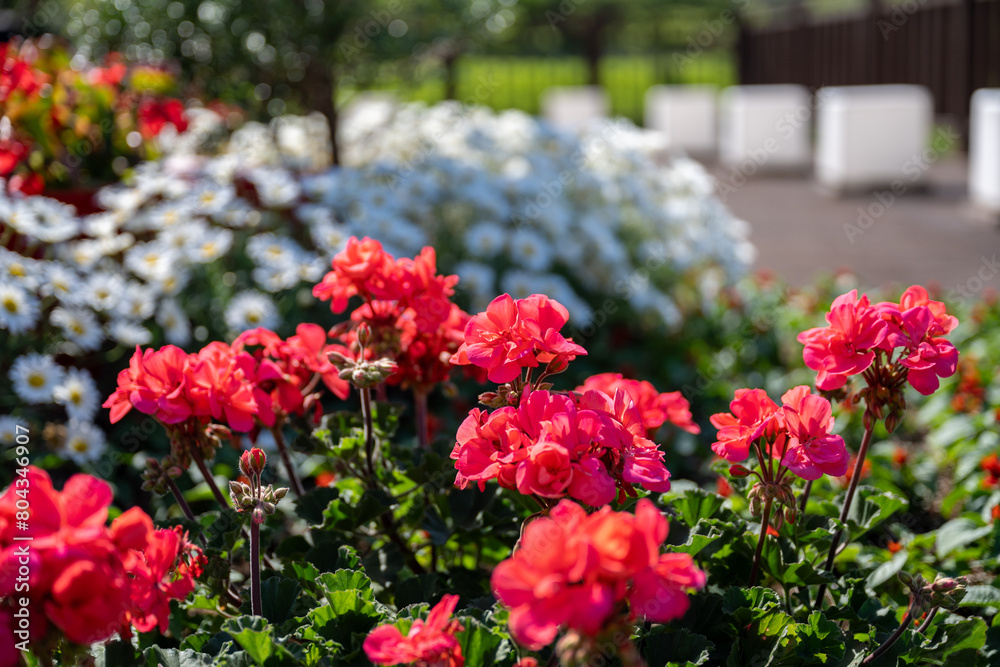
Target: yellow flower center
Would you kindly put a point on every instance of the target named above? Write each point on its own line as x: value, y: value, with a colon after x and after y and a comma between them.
x: 36, y: 380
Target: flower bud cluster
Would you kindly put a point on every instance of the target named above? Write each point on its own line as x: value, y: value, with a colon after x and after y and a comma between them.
x: 361, y: 372
x: 780, y: 493
x: 258, y: 499
x: 157, y: 474
x: 946, y: 593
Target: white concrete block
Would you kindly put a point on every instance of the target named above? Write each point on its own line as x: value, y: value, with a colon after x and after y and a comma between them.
x: 984, y: 149
x: 686, y: 115
x: 574, y: 107
x: 766, y: 127
x: 872, y: 136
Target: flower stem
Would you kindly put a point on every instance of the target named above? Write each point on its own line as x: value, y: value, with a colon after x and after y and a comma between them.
x: 286, y: 459
x: 927, y: 621
x: 200, y: 462
x: 764, y: 522
x: 855, y: 478
x: 891, y: 640
x: 185, y: 508
x: 420, y: 412
x: 366, y: 414
x: 804, y: 498
x: 256, y: 606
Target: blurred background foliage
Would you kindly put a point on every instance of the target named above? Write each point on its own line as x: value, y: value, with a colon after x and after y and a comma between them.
x: 286, y: 56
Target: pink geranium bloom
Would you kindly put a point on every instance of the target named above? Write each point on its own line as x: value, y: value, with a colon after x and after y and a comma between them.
x: 915, y: 296
x: 498, y: 341
x: 928, y: 358
x: 578, y: 571
x: 811, y: 450
x: 655, y: 407
x: 846, y: 347
x: 751, y: 417
x: 431, y: 642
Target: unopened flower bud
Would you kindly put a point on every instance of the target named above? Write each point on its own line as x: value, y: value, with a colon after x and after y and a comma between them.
x: 253, y: 462
x: 778, y: 520
x: 267, y: 507
x: 754, y: 506
x: 258, y: 515
x: 235, y: 488
x: 280, y: 493
x: 338, y: 359
x: 739, y: 471
x: 790, y: 515
x: 364, y: 334
x: 905, y: 578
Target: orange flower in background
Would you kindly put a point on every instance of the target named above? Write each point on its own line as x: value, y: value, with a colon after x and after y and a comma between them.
x: 991, y: 465
x: 722, y: 487
x: 894, y: 547
x: 326, y: 478
x: 971, y: 389
x: 866, y: 471
x: 900, y: 456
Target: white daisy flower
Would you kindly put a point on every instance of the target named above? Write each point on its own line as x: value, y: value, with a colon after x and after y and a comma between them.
x: 102, y: 290
x: 210, y: 199
x: 9, y: 430
x: 271, y: 250
x: 53, y: 221
x: 20, y: 270
x: 151, y: 261
x: 239, y: 215
x: 276, y: 188
x: 172, y: 284
x: 35, y: 376
x: 329, y: 237
x: 485, y: 239
x: 78, y: 393
x: 277, y: 277
x: 61, y: 282
x: 173, y: 319
x: 85, y: 443
x: 530, y: 250
x: 128, y: 333
x: 213, y: 244
x: 79, y: 326
x: 18, y: 309
x: 251, y: 309
x: 136, y: 302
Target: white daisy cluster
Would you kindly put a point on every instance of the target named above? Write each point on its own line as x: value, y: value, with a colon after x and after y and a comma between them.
x: 197, y: 245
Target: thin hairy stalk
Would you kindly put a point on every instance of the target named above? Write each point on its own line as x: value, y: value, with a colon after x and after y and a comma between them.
x: 286, y: 460
x: 185, y: 508
x: 927, y: 621
x: 366, y: 414
x: 855, y: 478
x: 256, y: 606
x: 764, y: 522
x: 420, y: 414
x: 891, y: 640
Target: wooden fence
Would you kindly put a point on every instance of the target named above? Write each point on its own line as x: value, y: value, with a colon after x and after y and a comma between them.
x: 952, y: 47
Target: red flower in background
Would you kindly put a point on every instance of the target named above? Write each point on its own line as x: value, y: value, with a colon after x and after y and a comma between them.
x: 431, y: 642
x: 29, y: 184
x: 154, y: 115
x: 12, y: 153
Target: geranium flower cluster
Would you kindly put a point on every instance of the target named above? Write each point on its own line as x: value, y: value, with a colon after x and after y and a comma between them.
x: 407, y: 307
x: 591, y: 446
x: 430, y: 642
x: 858, y: 331
x: 64, y: 120
x: 85, y: 581
x: 225, y: 382
x: 655, y: 407
x: 797, y: 433
x: 578, y: 571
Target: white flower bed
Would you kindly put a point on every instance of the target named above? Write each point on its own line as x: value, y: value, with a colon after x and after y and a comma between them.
x: 510, y: 205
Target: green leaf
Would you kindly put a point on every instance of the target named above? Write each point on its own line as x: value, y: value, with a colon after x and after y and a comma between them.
x: 757, y: 597
x: 957, y: 533
x: 870, y: 508
x: 435, y: 526
x: 479, y: 645
x: 254, y: 635
x: 346, y: 580
x: 950, y: 639
x: 887, y: 570
x: 314, y: 502
x: 708, y: 536
x: 278, y: 597
x: 666, y: 645
x: 117, y: 654
x: 416, y: 589
x: 981, y: 596
x: 171, y: 657
x: 697, y: 504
